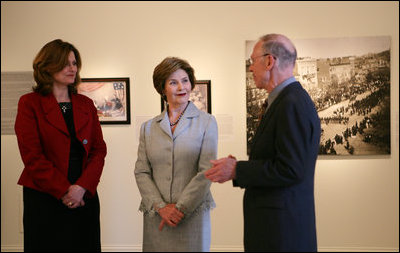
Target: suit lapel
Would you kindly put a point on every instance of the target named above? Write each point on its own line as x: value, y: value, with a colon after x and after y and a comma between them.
x: 184, y: 123
x: 271, y: 110
x: 164, y: 123
x: 262, y: 125
x: 53, y: 113
x: 80, y: 112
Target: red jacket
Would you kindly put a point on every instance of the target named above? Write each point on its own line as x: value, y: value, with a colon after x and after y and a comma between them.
x: 44, y: 143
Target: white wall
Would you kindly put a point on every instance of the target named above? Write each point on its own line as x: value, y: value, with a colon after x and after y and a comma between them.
x: 356, y: 199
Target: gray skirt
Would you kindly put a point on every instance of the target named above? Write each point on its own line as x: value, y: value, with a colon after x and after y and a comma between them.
x: 193, y: 233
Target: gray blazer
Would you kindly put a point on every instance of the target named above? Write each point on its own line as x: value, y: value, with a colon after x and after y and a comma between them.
x: 170, y: 167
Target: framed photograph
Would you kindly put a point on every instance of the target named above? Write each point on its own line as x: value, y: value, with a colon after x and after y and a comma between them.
x: 200, y: 96
x: 349, y: 81
x: 110, y: 96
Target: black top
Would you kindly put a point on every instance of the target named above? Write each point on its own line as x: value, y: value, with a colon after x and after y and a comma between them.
x: 76, y: 149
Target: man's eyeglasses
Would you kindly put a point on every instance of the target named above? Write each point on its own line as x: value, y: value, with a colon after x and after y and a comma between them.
x: 251, y: 60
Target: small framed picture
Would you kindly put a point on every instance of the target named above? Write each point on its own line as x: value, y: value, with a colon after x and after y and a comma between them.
x: 110, y: 96
x: 200, y: 96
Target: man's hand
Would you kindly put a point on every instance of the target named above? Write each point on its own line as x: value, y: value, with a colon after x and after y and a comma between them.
x: 223, y: 169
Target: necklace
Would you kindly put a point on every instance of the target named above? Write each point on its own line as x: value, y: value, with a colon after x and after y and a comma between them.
x: 65, y: 106
x: 180, y: 116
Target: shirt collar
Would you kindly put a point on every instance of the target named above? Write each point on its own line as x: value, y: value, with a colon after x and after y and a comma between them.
x: 274, y: 94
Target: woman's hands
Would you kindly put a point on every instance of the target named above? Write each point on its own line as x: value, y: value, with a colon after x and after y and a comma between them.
x: 74, y: 196
x: 170, y: 215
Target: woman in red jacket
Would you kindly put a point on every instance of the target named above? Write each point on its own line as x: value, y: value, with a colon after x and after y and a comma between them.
x: 62, y: 148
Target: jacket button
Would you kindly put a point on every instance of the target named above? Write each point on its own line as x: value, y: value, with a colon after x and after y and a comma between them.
x: 84, y: 141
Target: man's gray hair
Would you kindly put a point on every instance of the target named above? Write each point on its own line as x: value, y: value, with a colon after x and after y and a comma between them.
x: 281, y: 47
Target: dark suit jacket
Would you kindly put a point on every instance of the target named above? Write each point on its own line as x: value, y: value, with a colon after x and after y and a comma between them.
x: 279, y: 213
x: 44, y: 143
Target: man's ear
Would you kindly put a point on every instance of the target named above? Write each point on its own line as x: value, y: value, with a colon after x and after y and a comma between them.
x: 270, y: 62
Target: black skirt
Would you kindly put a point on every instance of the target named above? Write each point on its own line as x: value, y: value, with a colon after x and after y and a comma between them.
x: 51, y: 226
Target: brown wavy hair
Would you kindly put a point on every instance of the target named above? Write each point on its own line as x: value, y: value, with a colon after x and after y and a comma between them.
x: 168, y: 66
x: 52, y: 58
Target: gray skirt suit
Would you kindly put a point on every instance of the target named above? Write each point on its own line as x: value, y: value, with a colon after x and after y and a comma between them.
x: 170, y: 169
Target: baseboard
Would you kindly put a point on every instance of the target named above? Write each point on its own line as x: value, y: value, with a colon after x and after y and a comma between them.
x: 12, y: 248
x: 226, y: 248
x: 138, y: 248
x: 231, y: 248
x: 356, y: 249
x: 215, y: 248
x: 104, y: 248
x: 121, y: 248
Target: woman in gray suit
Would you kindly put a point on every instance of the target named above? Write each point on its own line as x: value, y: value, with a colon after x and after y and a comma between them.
x: 174, y: 151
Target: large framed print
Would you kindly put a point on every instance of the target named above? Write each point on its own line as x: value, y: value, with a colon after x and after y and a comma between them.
x: 110, y: 96
x: 348, y: 80
x: 200, y: 96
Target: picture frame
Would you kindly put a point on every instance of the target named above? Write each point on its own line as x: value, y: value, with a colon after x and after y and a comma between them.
x: 110, y: 96
x: 348, y: 79
x: 200, y: 96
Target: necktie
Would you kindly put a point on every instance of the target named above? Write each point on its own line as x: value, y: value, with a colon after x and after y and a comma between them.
x: 263, y: 109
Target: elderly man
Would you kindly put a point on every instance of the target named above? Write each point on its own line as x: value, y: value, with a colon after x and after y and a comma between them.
x: 278, y: 205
